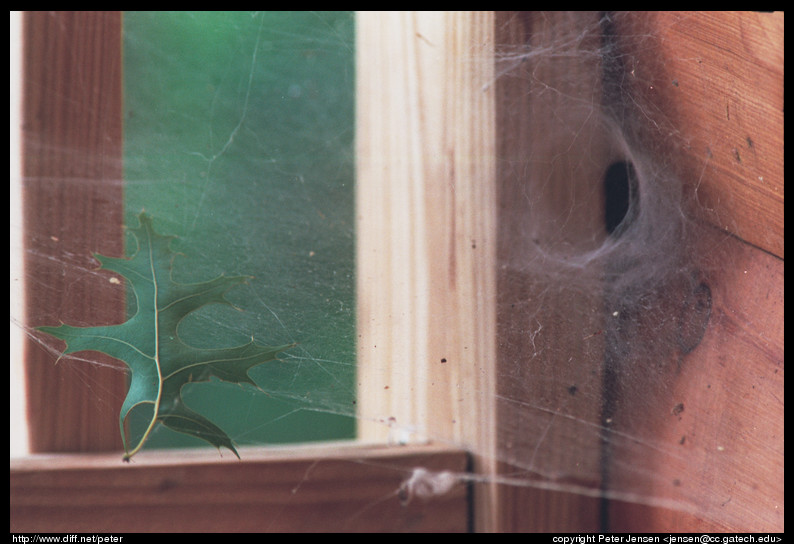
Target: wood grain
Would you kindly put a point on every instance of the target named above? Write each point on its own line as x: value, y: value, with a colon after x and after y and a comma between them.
x: 670, y: 427
x: 72, y: 198
x: 550, y: 199
x: 723, y: 447
x: 716, y: 80
x: 342, y: 488
x: 425, y: 230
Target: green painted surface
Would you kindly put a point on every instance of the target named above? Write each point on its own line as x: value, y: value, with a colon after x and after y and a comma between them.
x: 239, y: 140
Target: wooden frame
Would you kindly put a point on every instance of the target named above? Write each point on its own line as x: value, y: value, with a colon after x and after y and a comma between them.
x: 72, y: 128
x: 426, y: 244
x: 430, y: 191
x: 738, y: 183
x: 328, y: 488
x: 343, y: 487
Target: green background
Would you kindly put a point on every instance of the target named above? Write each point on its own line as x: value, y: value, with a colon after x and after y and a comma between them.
x: 239, y: 140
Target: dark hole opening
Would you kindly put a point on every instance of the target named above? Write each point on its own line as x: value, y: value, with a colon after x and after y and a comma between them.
x: 620, y: 197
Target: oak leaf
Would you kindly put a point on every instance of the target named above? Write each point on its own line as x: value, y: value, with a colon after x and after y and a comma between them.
x: 160, y: 363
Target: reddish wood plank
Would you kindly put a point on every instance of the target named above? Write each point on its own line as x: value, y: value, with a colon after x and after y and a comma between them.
x: 730, y: 388
x: 716, y: 80
x: 722, y: 449
x: 548, y: 192
x: 303, y: 489
x: 72, y: 197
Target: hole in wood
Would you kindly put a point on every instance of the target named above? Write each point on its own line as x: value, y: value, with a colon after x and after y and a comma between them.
x: 620, y: 197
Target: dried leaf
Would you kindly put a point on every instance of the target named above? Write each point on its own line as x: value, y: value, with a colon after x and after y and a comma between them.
x: 160, y: 363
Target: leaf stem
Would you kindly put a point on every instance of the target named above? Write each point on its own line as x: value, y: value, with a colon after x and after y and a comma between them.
x: 148, y: 431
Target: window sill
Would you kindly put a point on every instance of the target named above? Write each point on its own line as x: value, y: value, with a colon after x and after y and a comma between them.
x: 328, y: 487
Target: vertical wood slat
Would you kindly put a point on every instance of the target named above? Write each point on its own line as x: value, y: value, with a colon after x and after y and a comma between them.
x: 717, y: 79
x: 72, y: 200
x: 425, y: 233
x: 725, y: 453
x: 552, y: 157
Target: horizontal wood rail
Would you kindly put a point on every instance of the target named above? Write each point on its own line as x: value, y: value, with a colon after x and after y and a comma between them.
x: 317, y: 488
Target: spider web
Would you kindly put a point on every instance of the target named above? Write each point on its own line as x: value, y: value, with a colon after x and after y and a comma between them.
x: 239, y: 141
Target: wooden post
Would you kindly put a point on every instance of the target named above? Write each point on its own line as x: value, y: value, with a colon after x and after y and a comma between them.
x: 426, y: 230
x: 72, y: 198
x: 552, y: 156
x: 716, y: 78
